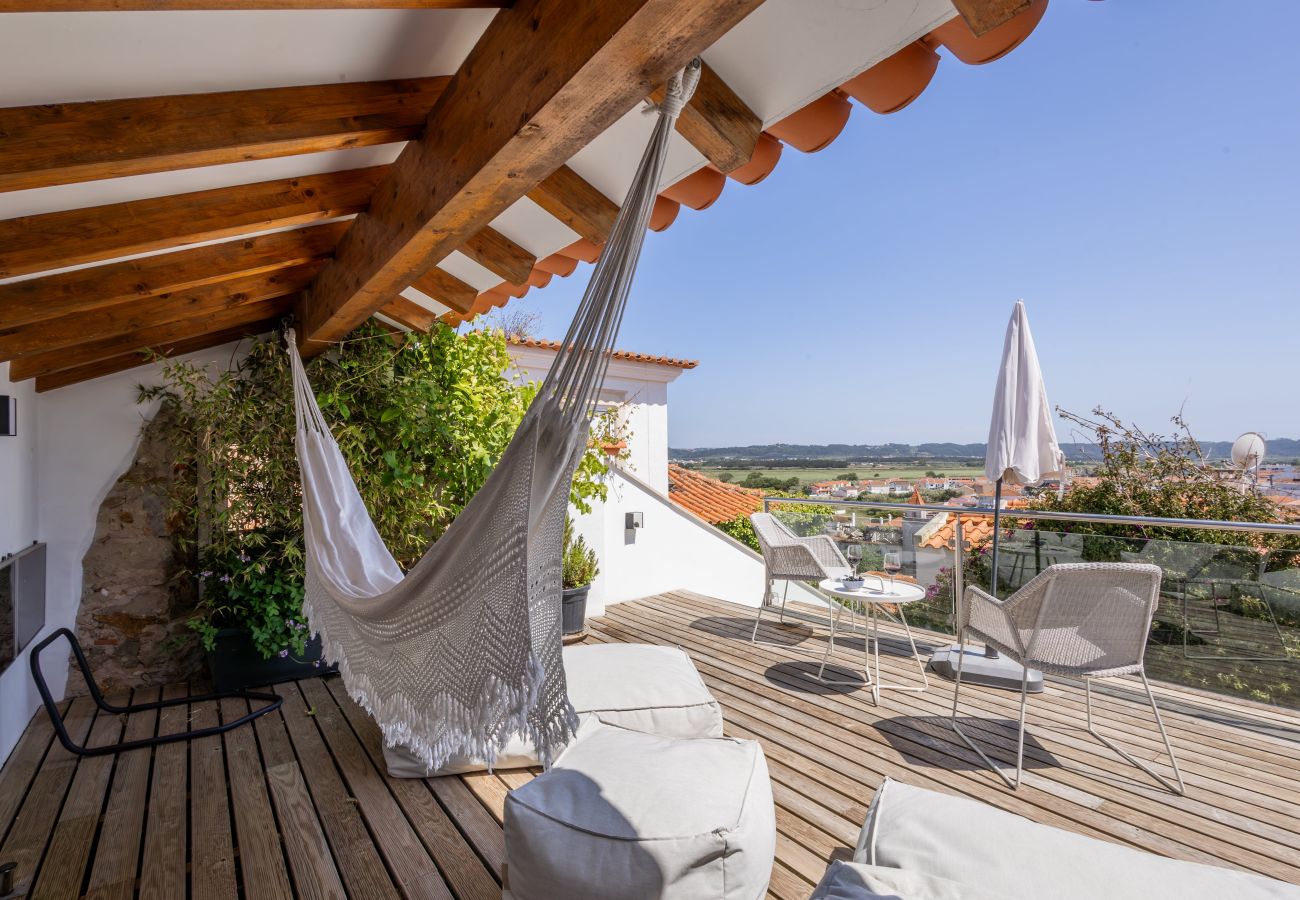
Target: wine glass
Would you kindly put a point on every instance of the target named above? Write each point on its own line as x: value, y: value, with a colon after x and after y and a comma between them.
x: 893, y: 564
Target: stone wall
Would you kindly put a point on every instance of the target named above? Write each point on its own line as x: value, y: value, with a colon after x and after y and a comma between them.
x: 137, y: 596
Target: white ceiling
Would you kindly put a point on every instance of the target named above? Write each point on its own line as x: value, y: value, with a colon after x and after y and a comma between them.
x: 781, y: 57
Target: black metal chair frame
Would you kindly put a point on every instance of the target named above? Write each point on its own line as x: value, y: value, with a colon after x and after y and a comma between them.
x: 272, y: 702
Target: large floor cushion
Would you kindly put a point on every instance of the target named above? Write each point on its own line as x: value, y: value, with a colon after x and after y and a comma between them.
x: 639, y: 686
x: 1003, y: 854
x: 858, y: 881
x: 624, y: 815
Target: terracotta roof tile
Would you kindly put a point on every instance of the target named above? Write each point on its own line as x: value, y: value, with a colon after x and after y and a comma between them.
x: 628, y: 355
x: 939, y: 532
x: 712, y: 500
x: 886, y: 87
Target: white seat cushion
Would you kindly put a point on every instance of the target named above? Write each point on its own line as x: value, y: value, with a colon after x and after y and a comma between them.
x: 639, y: 686
x: 1009, y: 856
x: 856, y: 881
x: 624, y: 814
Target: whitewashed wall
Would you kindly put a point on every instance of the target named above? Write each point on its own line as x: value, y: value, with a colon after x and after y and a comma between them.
x: 73, y: 445
x: 19, y: 526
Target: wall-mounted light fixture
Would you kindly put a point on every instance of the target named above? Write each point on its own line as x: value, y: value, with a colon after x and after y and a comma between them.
x: 8, y: 415
x: 633, y: 520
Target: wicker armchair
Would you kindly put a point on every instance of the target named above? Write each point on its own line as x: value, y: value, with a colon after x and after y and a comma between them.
x: 1083, y: 620
x: 788, y: 557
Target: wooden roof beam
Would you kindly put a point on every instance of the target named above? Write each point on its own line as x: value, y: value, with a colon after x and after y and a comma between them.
x: 169, y: 5
x: 97, y: 287
x: 718, y: 123
x: 447, y: 289
x: 575, y: 202
x: 53, y: 240
x: 124, y: 318
x: 409, y: 314
x: 70, y: 142
x: 498, y: 254
x: 544, y: 79
x: 125, y: 361
x: 985, y: 15
x: 189, y: 329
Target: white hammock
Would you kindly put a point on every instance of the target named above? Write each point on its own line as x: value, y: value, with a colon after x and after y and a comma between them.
x: 463, y: 652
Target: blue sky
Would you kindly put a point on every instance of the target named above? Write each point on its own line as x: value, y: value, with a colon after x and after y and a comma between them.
x: 1132, y: 171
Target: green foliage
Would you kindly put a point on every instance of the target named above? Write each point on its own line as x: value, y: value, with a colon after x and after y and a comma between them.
x: 847, y: 476
x: 742, y: 530
x: 421, y: 423
x: 765, y: 482
x: 580, y: 566
x: 725, y: 477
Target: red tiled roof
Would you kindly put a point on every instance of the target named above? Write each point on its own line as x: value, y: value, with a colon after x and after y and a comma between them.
x: 975, y: 530
x: 886, y: 87
x: 712, y: 500
x: 628, y: 355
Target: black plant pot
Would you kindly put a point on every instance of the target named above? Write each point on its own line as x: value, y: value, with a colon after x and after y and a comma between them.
x: 574, y: 608
x: 236, y: 664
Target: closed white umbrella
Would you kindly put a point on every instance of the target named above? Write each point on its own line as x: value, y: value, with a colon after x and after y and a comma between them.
x: 1022, y: 449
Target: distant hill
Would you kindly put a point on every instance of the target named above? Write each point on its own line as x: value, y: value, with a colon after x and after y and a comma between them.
x: 770, y: 454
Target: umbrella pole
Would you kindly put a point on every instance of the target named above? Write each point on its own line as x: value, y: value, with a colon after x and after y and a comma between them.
x: 989, y: 652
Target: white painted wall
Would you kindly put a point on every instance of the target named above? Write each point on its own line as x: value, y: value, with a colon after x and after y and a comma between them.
x: 19, y: 526
x: 73, y: 445
x: 675, y: 550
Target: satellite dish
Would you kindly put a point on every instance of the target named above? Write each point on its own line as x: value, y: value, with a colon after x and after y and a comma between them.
x: 1248, y: 450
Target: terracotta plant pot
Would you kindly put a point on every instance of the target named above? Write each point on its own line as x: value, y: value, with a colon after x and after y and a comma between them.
x: 615, y: 448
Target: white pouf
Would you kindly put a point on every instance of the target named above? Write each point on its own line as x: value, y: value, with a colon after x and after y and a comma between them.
x: 623, y: 814
x: 643, y: 687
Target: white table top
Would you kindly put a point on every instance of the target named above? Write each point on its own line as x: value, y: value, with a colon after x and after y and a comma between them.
x: 898, y: 592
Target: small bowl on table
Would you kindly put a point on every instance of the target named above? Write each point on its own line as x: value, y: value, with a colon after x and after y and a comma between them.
x: 852, y: 584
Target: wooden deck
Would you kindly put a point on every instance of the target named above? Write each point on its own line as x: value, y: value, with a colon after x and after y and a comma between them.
x: 297, y: 805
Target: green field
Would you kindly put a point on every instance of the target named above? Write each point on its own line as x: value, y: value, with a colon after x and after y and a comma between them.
x: 864, y: 471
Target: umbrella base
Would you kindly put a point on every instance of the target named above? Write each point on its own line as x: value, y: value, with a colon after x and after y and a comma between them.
x: 976, y: 668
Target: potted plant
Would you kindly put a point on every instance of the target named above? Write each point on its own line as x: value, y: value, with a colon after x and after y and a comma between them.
x: 578, y: 569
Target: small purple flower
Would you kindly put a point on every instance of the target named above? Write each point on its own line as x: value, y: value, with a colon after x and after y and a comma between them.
x: 316, y: 664
x: 284, y: 653
x: 244, y: 557
x: 292, y: 623
x: 225, y: 579
x: 205, y: 574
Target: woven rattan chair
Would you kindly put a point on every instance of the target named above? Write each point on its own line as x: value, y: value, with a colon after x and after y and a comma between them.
x: 1082, y: 620
x: 788, y: 557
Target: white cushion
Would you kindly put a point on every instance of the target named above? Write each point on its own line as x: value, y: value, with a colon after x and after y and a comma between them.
x: 638, y: 686
x: 624, y: 814
x: 856, y: 881
x: 1004, y: 854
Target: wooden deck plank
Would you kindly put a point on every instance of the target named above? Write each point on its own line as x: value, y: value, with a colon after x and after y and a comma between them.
x: 35, y: 822
x: 405, y: 854
x: 24, y: 763
x: 308, y: 792
x: 461, y: 867
x: 68, y: 855
x: 939, y: 752
x: 262, y: 868
x: 163, y: 863
x: 212, y: 848
x: 355, y: 854
x: 118, y: 853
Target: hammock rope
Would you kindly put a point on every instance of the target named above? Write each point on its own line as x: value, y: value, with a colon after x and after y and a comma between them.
x: 462, y: 653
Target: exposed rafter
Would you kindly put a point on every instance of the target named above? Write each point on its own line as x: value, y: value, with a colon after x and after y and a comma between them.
x: 125, y: 318
x: 571, y: 199
x: 718, y: 123
x: 68, y: 142
x: 169, y: 5
x: 498, y: 254
x: 50, y: 361
x: 545, y: 78
x: 122, y: 362
x: 409, y: 314
x: 35, y: 243
x: 96, y: 287
x: 447, y: 289
x: 984, y: 15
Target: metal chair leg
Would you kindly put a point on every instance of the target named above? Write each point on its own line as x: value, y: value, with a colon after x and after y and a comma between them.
x: 1020, y: 751
x: 271, y: 701
x: 1181, y: 789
